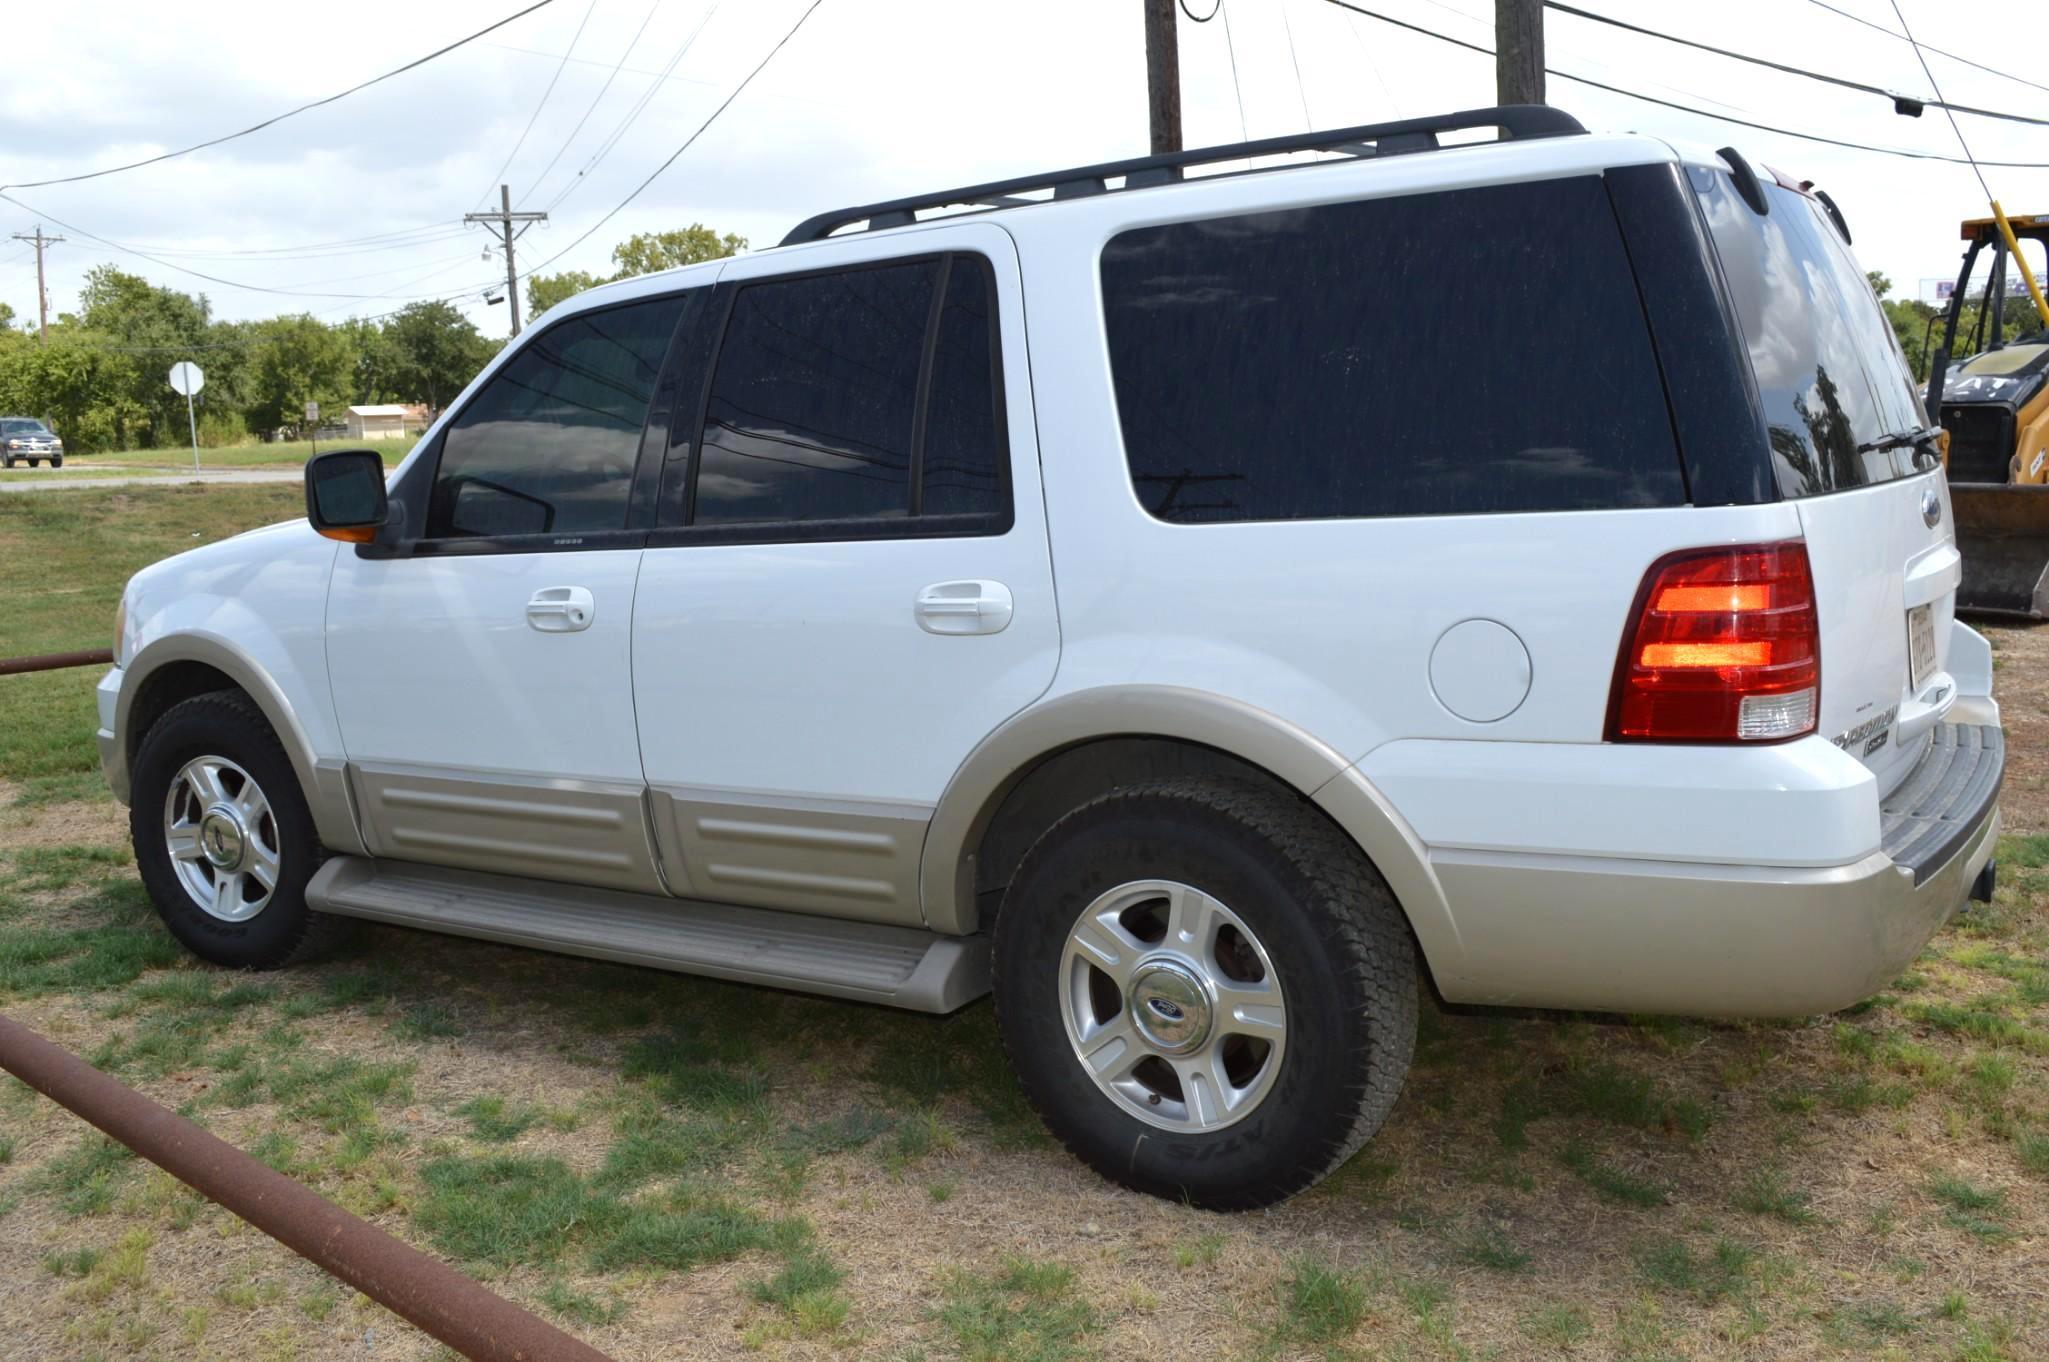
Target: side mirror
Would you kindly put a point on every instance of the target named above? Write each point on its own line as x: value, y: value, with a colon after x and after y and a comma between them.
x: 345, y: 497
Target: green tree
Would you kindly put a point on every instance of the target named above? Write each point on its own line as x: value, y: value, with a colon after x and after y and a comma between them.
x: 372, y: 360
x: 543, y: 291
x: 139, y: 323
x: 295, y: 360
x: 63, y: 383
x: 641, y: 253
x: 433, y: 352
x: 650, y: 252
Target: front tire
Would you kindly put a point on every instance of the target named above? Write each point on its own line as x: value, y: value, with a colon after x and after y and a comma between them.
x: 57, y: 461
x: 223, y: 837
x: 1206, y: 990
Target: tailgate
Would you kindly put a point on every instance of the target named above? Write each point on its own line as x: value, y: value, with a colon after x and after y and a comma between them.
x: 1886, y: 569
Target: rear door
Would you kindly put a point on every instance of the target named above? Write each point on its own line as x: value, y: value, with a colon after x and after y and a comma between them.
x: 849, y: 584
x: 1841, y: 408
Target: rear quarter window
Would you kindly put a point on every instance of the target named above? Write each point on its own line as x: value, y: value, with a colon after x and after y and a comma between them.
x: 1476, y: 350
x: 1829, y: 370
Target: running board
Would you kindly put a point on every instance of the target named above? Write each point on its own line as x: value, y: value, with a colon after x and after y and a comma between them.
x: 898, y: 966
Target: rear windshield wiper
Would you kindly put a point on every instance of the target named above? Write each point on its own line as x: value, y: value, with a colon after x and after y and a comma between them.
x: 1922, y: 441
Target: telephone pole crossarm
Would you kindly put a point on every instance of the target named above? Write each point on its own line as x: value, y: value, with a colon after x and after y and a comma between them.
x: 501, y: 224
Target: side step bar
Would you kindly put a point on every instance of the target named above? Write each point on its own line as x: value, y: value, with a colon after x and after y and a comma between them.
x: 898, y: 966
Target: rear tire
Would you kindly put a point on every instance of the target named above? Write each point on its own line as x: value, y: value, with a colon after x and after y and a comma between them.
x: 1237, y: 916
x: 223, y: 836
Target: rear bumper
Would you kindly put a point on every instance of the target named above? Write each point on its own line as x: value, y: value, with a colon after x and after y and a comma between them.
x: 1648, y: 936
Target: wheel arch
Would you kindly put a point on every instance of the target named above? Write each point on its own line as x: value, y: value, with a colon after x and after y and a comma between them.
x: 1018, y: 779
x: 176, y: 667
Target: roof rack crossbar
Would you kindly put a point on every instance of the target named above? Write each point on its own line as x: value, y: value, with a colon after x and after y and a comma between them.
x: 1518, y: 122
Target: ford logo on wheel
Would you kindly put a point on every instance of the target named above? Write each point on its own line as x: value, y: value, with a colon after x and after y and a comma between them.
x: 1931, y: 507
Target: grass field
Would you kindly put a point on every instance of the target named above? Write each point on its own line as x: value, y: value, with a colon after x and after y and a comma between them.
x: 678, y: 1168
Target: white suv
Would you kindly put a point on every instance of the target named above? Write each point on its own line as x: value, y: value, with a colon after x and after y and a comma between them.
x: 1192, y: 608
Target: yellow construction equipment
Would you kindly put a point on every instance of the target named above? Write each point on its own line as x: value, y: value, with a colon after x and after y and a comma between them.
x: 1994, y: 407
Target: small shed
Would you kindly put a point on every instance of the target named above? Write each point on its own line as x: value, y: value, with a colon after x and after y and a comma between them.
x: 381, y: 422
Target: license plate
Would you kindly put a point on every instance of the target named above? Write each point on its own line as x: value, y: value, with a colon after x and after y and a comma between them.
x: 1920, y: 645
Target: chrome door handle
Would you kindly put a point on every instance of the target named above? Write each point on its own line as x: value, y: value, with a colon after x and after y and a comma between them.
x: 971, y: 607
x: 561, y: 610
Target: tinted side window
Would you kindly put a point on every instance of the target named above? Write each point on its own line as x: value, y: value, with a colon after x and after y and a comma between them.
x: 814, y: 400
x: 1434, y: 354
x: 1828, y: 365
x: 965, y: 456
x: 548, y: 445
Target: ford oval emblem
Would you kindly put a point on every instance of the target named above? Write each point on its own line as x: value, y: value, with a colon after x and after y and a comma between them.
x: 1931, y: 507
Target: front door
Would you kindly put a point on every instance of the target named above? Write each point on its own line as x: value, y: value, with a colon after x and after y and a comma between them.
x: 850, y: 585
x: 481, y: 667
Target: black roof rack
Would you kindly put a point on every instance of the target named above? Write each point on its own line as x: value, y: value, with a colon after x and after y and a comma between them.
x: 1516, y: 121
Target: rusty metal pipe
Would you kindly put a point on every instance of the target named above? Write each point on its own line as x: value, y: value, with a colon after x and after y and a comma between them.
x: 475, y: 1322
x: 50, y: 662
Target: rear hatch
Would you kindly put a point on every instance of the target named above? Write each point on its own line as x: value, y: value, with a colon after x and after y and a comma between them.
x: 1852, y: 450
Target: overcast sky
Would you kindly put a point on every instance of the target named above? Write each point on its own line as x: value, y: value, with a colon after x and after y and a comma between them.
x: 873, y: 98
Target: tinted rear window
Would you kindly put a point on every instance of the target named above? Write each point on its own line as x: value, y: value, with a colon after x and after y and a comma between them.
x: 1828, y: 367
x: 1479, y: 350
x: 815, y: 398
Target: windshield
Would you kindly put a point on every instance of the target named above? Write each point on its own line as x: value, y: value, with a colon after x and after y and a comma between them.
x: 1837, y: 393
x: 24, y: 428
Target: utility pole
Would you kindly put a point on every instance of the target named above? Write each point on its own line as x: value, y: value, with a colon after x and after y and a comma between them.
x: 42, y: 293
x: 1519, y: 51
x: 501, y: 222
x: 1163, y: 75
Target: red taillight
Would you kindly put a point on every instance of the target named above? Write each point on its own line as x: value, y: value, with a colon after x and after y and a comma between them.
x: 1725, y: 647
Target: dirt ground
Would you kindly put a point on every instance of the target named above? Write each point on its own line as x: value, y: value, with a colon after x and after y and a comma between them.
x: 2020, y: 679
x: 673, y: 1168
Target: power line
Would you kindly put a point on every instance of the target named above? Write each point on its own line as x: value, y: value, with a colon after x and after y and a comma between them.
x: 781, y: 42
x: 1890, y: 33
x: 1202, y: 18
x: 401, y: 237
x: 262, y: 256
x: 173, y: 265
x: 1486, y: 26
x: 542, y: 104
x: 1989, y: 197
x: 279, y: 118
x: 1352, y: 27
x: 602, y: 90
x: 633, y: 115
x: 1237, y: 91
x: 1688, y: 108
x: 1301, y: 90
x: 1899, y: 100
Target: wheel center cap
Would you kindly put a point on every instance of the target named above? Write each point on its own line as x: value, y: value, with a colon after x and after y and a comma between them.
x: 1169, y: 1006
x: 222, y: 837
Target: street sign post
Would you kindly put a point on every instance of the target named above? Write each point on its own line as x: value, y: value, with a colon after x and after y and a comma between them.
x: 313, y: 425
x: 187, y: 378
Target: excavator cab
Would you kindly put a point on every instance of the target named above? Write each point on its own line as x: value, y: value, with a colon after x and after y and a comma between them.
x: 1994, y: 406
